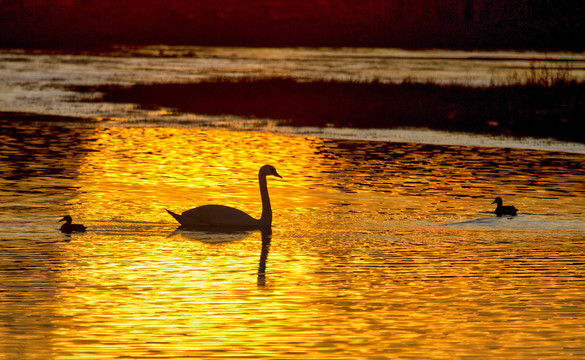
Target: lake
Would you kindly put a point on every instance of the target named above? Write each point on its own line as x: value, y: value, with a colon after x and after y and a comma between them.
x: 379, y: 249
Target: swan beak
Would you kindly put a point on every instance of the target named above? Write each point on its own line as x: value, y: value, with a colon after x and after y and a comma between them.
x: 276, y: 174
x: 62, y: 219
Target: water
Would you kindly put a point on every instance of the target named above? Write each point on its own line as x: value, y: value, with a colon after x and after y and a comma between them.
x: 379, y: 249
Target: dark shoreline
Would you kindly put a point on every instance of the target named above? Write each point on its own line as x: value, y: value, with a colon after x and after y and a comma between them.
x: 34, y: 117
x: 551, y: 111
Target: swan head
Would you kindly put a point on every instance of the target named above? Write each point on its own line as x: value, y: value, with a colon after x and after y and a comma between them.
x: 498, y: 201
x: 67, y: 219
x: 269, y: 170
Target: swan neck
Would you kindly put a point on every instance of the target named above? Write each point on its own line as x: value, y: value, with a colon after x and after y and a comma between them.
x: 266, y: 218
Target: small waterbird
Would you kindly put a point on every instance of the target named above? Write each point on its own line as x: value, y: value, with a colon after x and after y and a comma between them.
x: 225, y: 216
x: 504, y: 210
x: 68, y: 227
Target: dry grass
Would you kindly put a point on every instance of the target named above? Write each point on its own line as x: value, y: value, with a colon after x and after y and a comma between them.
x: 544, y: 73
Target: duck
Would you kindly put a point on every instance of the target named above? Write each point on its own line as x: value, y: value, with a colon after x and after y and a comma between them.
x: 504, y: 210
x: 68, y: 227
x: 221, y: 216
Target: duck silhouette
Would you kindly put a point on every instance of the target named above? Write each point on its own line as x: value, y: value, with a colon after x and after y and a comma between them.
x: 504, y: 210
x: 68, y: 227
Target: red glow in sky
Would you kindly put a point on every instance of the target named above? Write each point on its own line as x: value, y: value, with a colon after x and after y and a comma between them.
x: 398, y: 23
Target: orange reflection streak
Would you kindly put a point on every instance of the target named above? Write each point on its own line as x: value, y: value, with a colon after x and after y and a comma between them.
x: 135, y: 173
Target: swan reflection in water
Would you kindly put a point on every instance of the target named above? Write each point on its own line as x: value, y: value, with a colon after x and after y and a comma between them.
x: 215, y: 235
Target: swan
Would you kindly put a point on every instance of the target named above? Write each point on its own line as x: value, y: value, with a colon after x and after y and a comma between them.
x: 504, y: 210
x: 68, y: 227
x: 224, y: 216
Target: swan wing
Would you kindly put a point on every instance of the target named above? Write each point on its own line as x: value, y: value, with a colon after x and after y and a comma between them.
x: 215, y: 216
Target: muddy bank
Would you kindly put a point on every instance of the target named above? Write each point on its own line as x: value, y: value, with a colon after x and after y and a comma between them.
x: 556, y: 111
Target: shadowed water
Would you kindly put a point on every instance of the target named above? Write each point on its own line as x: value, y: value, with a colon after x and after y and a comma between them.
x: 378, y: 250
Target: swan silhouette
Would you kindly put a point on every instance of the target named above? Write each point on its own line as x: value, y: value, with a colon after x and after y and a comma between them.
x: 68, y: 227
x: 504, y: 210
x: 214, y: 216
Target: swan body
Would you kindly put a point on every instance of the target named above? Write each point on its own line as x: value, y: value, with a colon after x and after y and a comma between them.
x: 504, y: 210
x: 214, y: 216
x: 68, y: 227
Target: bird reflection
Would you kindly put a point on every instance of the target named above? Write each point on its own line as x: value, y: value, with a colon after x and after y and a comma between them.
x: 211, y: 235
x: 215, y: 236
x: 266, y: 238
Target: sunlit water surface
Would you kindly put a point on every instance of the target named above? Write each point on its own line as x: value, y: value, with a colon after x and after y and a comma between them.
x: 378, y: 250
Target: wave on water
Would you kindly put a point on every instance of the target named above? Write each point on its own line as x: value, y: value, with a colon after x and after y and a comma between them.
x: 401, y: 135
x: 144, y: 118
x: 435, y: 137
x: 524, y: 222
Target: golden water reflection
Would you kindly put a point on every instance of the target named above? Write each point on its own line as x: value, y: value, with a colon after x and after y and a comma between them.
x: 378, y: 250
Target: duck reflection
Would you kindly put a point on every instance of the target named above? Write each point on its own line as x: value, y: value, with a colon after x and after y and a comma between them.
x: 215, y: 236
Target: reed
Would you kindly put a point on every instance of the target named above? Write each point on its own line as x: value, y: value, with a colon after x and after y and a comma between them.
x: 544, y: 73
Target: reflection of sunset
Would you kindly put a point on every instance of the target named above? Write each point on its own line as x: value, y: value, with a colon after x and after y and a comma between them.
x: 134, y: 174
x: 374, y: 245
x: 158, y: 168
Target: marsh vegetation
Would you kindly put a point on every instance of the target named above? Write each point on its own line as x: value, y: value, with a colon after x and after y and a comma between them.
x: 541, y: 102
